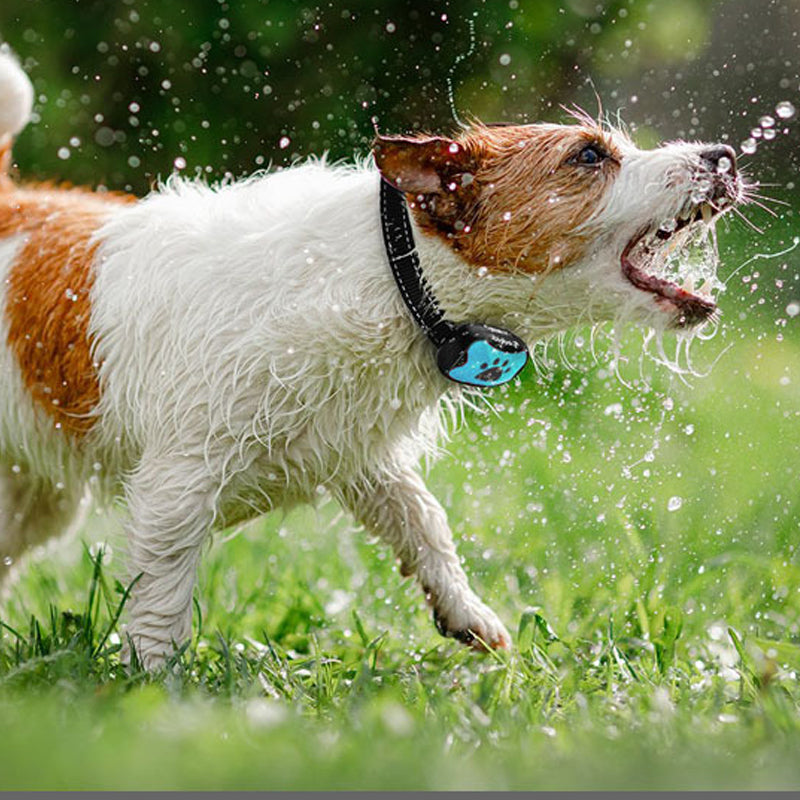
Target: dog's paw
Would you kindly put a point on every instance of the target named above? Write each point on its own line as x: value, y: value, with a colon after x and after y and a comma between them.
x: 150, y: 655
x: 472, y: 623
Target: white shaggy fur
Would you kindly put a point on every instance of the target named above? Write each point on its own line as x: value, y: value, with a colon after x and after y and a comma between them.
x: 291, y: 364
x: 254, y: 347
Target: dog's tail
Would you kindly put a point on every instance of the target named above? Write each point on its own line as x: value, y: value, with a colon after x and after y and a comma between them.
x: 16, y: 104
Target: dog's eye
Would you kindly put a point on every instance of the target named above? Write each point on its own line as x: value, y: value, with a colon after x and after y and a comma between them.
x: 590, y: 156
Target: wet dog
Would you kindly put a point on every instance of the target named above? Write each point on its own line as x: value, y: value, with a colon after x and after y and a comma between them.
x: 211, y: 353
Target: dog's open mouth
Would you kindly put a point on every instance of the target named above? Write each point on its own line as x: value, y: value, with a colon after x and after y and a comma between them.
x: 676, y: 262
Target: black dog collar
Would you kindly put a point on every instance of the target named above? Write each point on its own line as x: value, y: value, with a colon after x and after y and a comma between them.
x: 398, y: 239
x: 469, y: 353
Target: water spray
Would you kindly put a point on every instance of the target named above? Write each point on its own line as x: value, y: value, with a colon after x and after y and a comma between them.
x: 458, y: 59
x: 766, y: 130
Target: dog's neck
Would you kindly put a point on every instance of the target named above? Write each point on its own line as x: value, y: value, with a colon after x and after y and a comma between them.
x: 531, y: 306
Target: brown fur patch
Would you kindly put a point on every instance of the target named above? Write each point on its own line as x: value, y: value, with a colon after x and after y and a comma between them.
x: 47, y: 300
x: 512, y: 197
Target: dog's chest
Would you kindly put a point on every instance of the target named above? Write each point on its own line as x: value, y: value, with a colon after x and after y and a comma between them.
x: 310, y: 443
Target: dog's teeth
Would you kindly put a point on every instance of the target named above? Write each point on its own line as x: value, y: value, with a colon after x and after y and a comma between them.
x: 688, y: 285
x: 706, y: 289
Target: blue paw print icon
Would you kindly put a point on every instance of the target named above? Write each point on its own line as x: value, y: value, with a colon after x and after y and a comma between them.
x: 480, y: 355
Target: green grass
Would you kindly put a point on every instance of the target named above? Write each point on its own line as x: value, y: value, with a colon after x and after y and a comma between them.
x: 658, y: 639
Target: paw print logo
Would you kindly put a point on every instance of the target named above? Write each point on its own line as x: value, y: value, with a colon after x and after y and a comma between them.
x: 485, y: 365
x: 492, y: 373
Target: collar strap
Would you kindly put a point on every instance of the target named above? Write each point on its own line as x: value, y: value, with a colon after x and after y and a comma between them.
x: 398, y: 239
x: 470, y: 353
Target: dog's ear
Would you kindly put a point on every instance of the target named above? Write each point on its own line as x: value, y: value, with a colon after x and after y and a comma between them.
x: 420, y: 165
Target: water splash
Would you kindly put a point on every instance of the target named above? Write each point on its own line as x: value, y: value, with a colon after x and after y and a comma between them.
x: 667, y: 405
x: 766, y: 256
x: 458, y: 59
x: 694, y: 261
x: 765, y: 130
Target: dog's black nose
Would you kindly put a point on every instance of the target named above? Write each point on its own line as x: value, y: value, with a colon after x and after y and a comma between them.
x: 721, y: 158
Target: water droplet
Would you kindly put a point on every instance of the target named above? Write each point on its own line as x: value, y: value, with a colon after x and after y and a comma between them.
x: 766, y: 121
x: 101, y: 550
x: 785, y: 110
x: 180, y: 163
x: 104, y: 136
x: 505, y: 59
x: 674, y: 503
x: 7, y: 561
x: 793, y: 309
x: 749, y: 146
x: 284, y: 142
x: 668, y: 225
x: 724, y: 165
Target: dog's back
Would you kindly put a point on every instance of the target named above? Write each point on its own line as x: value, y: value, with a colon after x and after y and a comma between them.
x: 244, y: 342
x: 259, y: 316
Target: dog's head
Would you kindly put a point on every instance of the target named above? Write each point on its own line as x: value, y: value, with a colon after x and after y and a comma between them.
x: 599, y: 222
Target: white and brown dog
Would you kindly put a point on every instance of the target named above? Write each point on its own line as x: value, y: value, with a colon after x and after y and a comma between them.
x: 215, y: 352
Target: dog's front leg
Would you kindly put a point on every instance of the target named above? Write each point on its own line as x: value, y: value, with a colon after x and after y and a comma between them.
x: 398, y: 507
x: 170, y: 501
